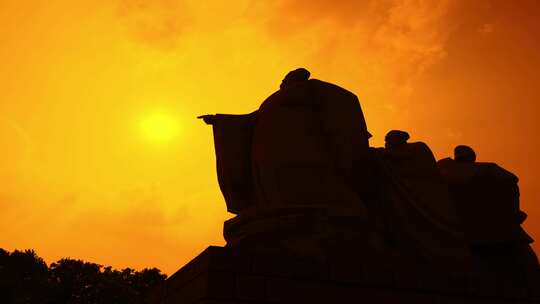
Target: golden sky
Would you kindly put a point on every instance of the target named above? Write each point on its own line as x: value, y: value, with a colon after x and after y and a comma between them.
x: 102, y: 158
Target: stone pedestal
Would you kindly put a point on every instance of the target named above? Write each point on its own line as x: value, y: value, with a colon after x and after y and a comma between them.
x: 221, y: 276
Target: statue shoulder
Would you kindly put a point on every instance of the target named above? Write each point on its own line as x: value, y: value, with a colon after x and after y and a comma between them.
x: 330, y: 88
x: 444, y: 162
x: 420, y: 145
x: 421, y: 148
x: 494, y: 171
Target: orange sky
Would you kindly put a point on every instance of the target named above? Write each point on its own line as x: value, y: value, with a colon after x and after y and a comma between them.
x: 103, y: 159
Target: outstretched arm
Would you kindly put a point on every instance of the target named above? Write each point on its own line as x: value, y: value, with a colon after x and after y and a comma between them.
x: 209, y: 119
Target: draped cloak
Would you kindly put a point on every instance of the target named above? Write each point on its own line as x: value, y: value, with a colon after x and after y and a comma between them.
x: 232, y: 141
x: 310, y: 149
x: 306, y: 151
x: 418, y: 205
x: 300, y: 158
x: 486, y: 197
x: 306, y: 146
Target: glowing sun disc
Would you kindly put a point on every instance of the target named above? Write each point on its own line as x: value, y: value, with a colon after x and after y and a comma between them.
x: 159, y: 127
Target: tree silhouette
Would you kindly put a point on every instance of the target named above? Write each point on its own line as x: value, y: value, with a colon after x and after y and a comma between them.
x: 25, y: 278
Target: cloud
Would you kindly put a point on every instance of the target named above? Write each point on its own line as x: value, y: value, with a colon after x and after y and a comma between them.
x: 378, y: 49
x: 401, y: 37
x: 134, y: 228
x: 415, y: 32
x: 486, y: 28
x: 136, y: 210
x: 158, y: 23
x: 382, y: 45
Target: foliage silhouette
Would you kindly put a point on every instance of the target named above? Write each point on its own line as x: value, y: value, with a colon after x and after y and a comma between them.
x: 26, y: 278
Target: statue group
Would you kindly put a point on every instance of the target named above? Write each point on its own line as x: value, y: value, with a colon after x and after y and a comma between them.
x: 302, y: 180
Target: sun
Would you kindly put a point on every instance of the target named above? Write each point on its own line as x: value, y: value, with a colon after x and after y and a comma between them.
x: 159, y: 127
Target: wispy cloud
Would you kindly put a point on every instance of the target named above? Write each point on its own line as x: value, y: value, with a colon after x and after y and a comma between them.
x: 158, y: 23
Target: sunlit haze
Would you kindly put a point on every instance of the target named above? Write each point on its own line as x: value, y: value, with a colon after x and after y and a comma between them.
x: 103, y: 158
x: 159, y: 127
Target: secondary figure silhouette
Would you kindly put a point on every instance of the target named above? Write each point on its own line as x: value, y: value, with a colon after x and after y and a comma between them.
x: 486, y: 197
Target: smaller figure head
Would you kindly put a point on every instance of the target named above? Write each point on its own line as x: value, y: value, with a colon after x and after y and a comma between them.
x: 464, y: 153
x: 294, y: 77
x: 395, y: 138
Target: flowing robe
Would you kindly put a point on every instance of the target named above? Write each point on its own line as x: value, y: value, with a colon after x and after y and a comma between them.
x: 295, y: 170
x: 417, y: 205
x: 487, y: 200
x: 486, y: 197
x: 310, y: 148
x: 232, y: 140
x: 307, y: 146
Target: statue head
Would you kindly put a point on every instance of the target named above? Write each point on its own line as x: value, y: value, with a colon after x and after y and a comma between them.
x: 294, y: 77
x: 395, y: 138
x: 464, y: 153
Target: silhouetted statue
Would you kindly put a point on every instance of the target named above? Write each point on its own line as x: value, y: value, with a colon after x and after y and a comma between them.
x: 395, y: 139
x: 310, y: 146
x: 416, y: 206
x: 233, y: 136
x: 486, y: 197
x: 302, y: 158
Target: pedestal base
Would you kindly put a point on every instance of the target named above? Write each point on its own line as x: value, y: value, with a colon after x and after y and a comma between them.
x: 222, y: 276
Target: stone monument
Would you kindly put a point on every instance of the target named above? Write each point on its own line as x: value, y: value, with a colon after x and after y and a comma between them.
x: 320, y: 217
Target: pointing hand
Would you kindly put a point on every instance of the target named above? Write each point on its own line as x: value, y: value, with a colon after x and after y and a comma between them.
x: 208, y: 119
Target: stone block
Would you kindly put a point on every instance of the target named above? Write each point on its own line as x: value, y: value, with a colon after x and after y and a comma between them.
x: 345, y: 272
x: 362, y: 273
x: 207, y: 285
x: 292, y: 267
x: 213, y: 278
x: 220, y: 285
x: 224, y: 259
x: 512, y: 290
x: 378, y: 275
x: 250, y: 287
x: 191, y: 292
x: 408, y: 278
x: 442, y: 282
x: 483, y: 285
x: 282, y: 290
